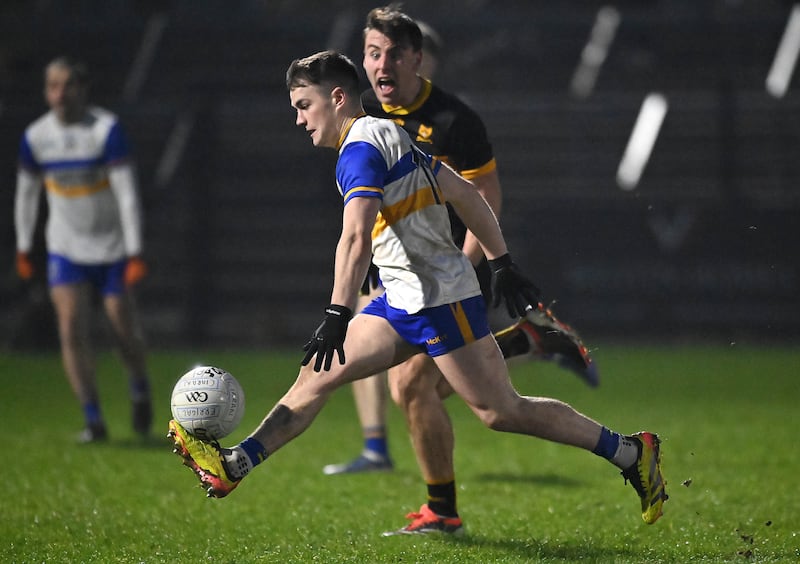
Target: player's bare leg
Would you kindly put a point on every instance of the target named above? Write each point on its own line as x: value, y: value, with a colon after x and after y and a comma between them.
x: 418, y: 387
x: 371, y: 347
x: 414, y: 385
x: 130, y: 343
x: 72, y: 303
x: 478, y: 373
x: 370, y: 397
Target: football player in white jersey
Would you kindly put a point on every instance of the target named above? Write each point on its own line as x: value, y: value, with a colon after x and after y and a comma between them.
x: 395, y: 210
x: 80, y: 155
x: 399, y: 54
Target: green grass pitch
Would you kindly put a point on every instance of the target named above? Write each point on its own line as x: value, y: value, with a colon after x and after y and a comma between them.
x: 728, y: 418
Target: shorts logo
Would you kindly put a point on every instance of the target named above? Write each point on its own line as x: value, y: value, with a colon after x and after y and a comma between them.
x: 436, y: 340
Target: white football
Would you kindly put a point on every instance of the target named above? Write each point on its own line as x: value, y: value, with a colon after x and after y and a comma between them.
x: 208, y: 402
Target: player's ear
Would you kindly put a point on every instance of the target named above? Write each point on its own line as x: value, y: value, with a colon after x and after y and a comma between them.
x: 338, y: 96
x: 417, y: 60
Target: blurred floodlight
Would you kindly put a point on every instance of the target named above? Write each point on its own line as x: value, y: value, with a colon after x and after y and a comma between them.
x: 595, y: 51
x: 174, y: 149
x: 786, y: 56
x: 642, y: 140
x: 154, y: 31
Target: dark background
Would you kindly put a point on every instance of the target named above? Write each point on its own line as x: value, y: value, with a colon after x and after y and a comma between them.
x: 242, y: 215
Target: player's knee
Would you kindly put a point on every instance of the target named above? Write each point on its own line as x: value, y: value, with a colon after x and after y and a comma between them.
x: 444, y: 389
x: 403, y: 391
x: 406, y: 383
x: 409, y: 392
x: 494, y: 417
x: 395, y: 393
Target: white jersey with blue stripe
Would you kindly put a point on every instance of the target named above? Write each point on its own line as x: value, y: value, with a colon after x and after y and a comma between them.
x: 94, y: 214
x: 420, y: 265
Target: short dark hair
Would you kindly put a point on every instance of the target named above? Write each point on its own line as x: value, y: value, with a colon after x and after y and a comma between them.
x: 77, y: 68
x: 325, y: 66
x: 396, y: 25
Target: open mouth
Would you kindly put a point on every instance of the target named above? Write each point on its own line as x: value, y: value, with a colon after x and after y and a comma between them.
x: 385, y: 85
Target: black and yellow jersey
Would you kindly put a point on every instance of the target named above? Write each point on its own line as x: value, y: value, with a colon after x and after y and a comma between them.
x: 443, y: 126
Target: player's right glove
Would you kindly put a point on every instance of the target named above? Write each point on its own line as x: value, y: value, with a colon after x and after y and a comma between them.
x: 24, y: 266
x: 510, y: 286
x: 372, y: 280
x: 329, y: 337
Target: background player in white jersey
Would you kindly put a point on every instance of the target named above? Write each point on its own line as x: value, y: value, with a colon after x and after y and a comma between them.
x: 93, y: 235
x: 395, y: 211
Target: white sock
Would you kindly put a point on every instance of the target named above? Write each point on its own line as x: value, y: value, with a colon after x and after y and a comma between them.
x: 237, y: 462
x: 627, y: 453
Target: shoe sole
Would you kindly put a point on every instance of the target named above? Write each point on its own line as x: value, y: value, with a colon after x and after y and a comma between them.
x: 402, y: 532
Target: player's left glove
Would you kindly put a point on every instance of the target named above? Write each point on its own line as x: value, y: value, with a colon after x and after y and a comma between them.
x: 135, y: 271
x: 511, y: 286
x: 329, y: 337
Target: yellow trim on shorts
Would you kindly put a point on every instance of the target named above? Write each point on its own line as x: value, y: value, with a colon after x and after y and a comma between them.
x: 463, y: 323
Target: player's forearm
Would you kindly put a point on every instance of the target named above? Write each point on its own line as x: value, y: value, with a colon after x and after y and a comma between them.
x: 472, y: 248
x: 26, y: 208
x: 488, y: 186
x: 481, y: 222
x: 474, y: 211
x: 353, y: 254
x: 354, y: 250
x: 123, y: 183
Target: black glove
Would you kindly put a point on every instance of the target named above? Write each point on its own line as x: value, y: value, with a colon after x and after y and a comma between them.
x: 509, y: 285
x: 328, y: 337
x: 371, y: 280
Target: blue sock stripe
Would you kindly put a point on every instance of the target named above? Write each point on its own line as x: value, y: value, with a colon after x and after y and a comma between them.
x: 255, y: 450
x: 607, y: 445
x: 91, y: 411
x: 376, y: 444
